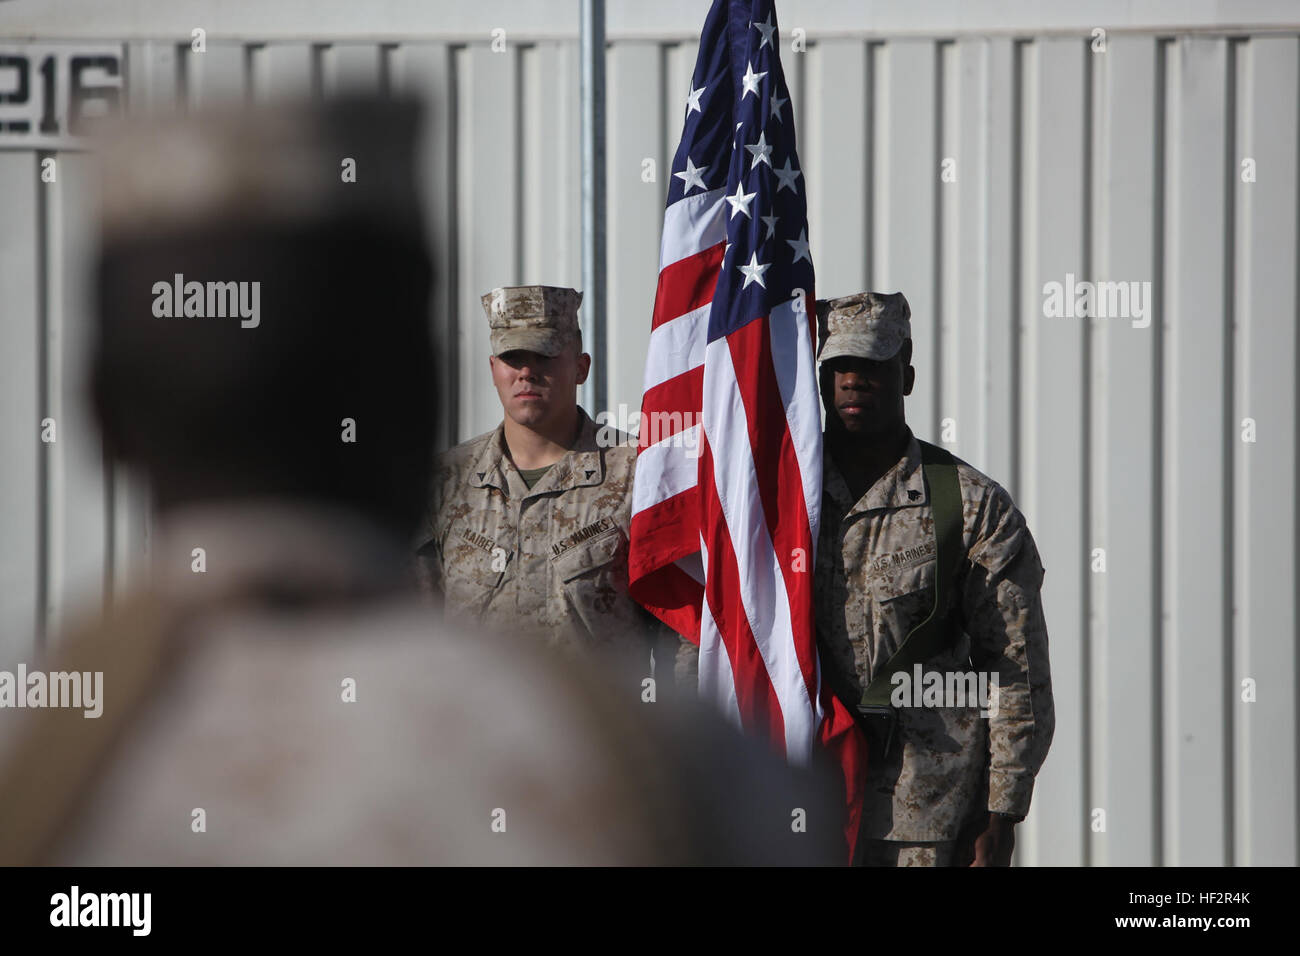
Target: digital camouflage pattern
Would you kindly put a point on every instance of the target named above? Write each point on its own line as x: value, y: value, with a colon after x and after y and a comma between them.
x: 550, y: 562
x: 870, y: 325
x: 534, y: 318
x: 898, y: 853
x: 875, y: 582
x: 237, y: 168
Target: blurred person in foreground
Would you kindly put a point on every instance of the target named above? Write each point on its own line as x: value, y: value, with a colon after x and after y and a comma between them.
x: 276, y: 695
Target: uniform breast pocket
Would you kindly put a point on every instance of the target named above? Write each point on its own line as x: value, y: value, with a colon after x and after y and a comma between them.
x: 903, y: 600
x: 904, y: 597
x: 889, y: 585
x: 472, y: 572
x: 593, y: 577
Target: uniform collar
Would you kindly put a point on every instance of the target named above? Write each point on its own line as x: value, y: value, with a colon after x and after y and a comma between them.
x: 903, y: 486
x: 580, y: 466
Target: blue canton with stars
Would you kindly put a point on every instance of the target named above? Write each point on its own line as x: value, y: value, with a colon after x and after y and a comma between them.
x: 739, y: 135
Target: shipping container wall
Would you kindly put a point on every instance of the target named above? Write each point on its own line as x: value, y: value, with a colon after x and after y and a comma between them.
x: 1146, y: 426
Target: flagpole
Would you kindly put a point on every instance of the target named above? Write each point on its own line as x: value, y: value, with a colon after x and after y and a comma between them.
x: 592, y: 93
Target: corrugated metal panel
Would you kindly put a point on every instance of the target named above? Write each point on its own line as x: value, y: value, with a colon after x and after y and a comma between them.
x: 404, y: 20
x: 1197, y: 361
x: 1264, y: 474
x: 21, y: 407
x: 77, y: 490
x: 1125, y: 383
x: 1122, y: 165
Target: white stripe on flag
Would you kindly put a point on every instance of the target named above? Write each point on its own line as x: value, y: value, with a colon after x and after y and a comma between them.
x: 692, y: 225
x: 693, y: 565
x: 674, y: 462
x: 676, y: 346
x: 796, y: 375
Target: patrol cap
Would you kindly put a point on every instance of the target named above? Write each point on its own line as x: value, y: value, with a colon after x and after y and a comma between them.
x: 869, y: 325
x: 285, y: 164
x: 534, y: 318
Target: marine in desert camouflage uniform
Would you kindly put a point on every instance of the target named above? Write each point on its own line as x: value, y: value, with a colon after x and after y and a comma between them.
x: 951, y: 785
x: 528, y: 525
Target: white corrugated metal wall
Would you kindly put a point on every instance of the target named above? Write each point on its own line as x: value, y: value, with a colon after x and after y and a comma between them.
x: 1117, y: 165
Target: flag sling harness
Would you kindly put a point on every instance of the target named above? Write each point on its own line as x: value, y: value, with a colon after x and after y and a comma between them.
x: 932, y: 635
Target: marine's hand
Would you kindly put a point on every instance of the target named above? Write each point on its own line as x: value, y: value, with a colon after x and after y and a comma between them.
x: 993, y: 847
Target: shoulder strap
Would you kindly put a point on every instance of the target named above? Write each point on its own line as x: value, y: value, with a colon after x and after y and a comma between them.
x: 933, y: 634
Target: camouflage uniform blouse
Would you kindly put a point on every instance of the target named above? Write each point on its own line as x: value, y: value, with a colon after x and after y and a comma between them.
x: 550, y: 561
x: 875, y: 581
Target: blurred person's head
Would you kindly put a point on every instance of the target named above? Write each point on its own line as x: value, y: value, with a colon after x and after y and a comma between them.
x: 262, y: 304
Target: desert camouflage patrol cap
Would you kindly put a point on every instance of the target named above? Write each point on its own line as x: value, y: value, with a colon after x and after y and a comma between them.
x: 869, y: 325
x: 535, y: 318
x: 285, y: 164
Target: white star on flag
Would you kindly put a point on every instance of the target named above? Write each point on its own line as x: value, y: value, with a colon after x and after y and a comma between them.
x: 753, y: 272
x: 787, y: 177
x: 740, y: 201
x: 800, y: 246
x: 761, y: 152
x: 767, y: 28
x: 693, y: 100
x: 770, y: 222
x: 777, y: 103
x: 691, y: 176
x: 750, y: 80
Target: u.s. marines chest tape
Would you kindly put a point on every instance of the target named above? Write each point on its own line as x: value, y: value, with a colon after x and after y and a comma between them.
x: 596, y: 529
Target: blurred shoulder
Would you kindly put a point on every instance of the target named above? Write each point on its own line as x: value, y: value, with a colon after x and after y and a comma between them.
x: 266, y: 708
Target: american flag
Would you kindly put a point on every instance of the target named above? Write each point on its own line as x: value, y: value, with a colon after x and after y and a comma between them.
x: 728, y: 484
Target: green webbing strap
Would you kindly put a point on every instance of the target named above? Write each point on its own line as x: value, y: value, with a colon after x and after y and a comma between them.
x: 933, y: 634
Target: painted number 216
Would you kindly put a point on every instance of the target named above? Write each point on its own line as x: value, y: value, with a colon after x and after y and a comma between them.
x: 81, y: 92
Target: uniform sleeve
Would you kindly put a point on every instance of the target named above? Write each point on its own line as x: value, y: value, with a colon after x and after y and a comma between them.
x: 428, y: 546
x: 428, y: 569
x: 1003, y: 608
x: 675, y: 656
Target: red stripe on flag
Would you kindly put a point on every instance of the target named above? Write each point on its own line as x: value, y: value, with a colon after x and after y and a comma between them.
x: 847, y: 745
x: 687, y: 284
x: 672, y: 407
x: 675, y: 599
x: 661, y: 534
